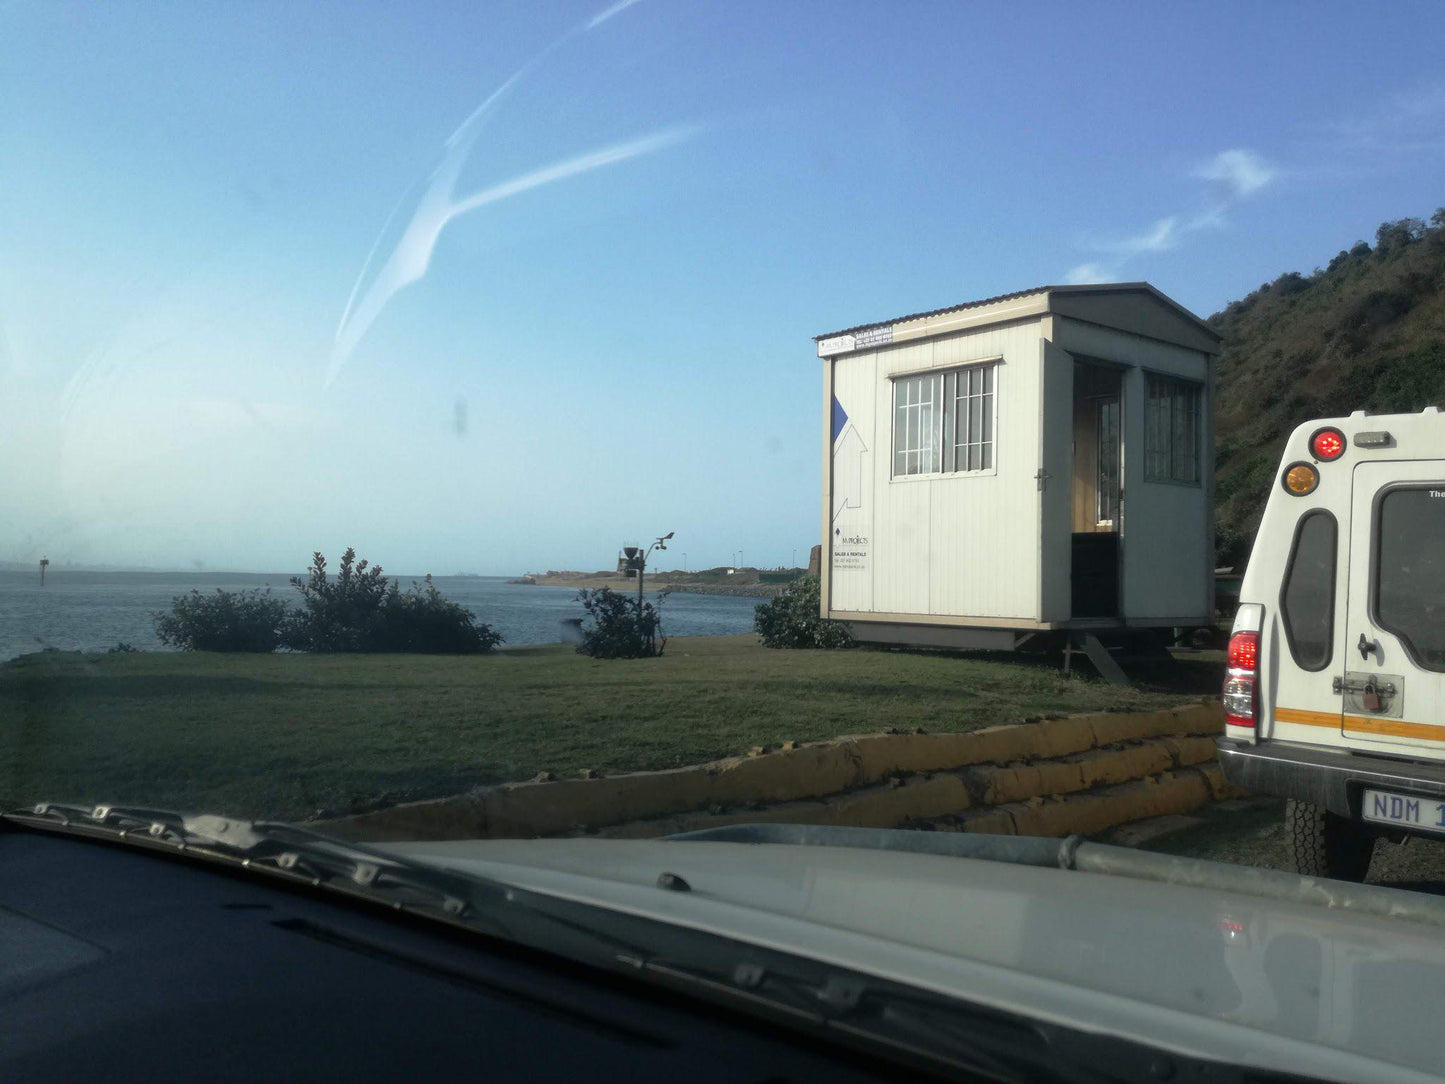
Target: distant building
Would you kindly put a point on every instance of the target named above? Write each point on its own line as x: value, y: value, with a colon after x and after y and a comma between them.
x: 1034, y: 462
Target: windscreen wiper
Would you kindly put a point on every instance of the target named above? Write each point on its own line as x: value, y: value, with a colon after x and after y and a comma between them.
x: 292, y: 853
x: 299, y: 856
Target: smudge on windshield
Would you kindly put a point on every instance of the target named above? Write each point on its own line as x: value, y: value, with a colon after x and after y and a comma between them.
x: 409, y: 259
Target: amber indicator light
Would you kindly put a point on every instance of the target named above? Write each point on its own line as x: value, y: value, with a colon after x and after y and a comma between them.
x: 1301, y: 479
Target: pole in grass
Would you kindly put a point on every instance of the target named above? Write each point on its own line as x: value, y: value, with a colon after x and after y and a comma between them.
x: 633, y: 562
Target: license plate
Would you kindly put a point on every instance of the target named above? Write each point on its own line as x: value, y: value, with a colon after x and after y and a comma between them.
x: 1385, y: 808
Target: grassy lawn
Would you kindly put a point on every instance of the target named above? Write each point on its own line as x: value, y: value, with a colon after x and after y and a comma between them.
x: 293, y: 736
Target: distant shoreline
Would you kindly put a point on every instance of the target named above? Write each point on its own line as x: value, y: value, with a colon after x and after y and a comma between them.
x: 664, y: 581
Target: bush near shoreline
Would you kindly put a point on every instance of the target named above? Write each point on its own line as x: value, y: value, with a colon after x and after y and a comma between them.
x: 357, y: 611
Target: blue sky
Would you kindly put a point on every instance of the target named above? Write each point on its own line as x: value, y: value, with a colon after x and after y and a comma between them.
x: 264, y: 288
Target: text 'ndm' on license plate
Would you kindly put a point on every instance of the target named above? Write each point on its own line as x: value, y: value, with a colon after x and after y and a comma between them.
x: 1407, y: 809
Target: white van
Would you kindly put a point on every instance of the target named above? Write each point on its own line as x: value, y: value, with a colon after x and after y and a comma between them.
x: 1335, y: 693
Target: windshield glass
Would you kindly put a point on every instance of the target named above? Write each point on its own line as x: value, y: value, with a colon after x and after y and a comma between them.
x: 414, y: 418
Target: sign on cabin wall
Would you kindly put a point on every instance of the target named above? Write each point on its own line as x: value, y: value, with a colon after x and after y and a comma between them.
x: 850, y: 548
x: 842, y: 344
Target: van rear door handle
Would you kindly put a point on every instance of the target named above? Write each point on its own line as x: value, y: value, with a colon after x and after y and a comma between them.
x: 1367, y: 646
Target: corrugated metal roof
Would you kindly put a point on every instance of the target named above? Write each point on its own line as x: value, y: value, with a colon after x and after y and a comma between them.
x: 933, y: 312
x: 1103, y: 287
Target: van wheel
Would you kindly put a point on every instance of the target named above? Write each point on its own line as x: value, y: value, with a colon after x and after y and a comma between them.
x: 1324, y: 845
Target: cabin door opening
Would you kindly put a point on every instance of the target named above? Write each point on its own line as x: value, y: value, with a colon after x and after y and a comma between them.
x: 1098, y: 490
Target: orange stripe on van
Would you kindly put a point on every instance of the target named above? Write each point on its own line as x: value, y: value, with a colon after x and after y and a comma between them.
x: 1394, y: 728
x: 1307, y: 718
x: 1360, y: 724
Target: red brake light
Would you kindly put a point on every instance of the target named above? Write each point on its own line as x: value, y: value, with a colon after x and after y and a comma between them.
x: 1244, y: 651
x: 1327, y: 444
x: 1241, y: 691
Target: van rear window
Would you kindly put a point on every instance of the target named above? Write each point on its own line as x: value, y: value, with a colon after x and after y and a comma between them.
x: 1410, y: 571
x: 1307, y: 599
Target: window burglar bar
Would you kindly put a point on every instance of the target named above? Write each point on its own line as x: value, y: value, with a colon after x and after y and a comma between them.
x: 943, y: 422
x: 1171, y: 430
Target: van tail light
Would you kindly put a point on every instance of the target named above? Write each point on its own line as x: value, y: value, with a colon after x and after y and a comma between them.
x: 1327, y: 444
x: 1241, y: 689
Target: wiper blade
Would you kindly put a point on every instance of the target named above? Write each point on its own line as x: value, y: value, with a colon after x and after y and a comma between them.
x: 299, y: 855
x: 276, y: 847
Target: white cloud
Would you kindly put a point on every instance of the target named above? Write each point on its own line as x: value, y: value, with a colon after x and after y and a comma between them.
x: 1086, y: 273
x: 1161, y: 235
x: 1238, y: 172
x: 1243, y: 171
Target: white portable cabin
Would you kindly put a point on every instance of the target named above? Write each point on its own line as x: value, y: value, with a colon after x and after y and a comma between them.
x: 1034, y: 462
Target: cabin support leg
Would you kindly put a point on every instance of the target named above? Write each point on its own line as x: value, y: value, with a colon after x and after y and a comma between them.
x: 1103, y: 662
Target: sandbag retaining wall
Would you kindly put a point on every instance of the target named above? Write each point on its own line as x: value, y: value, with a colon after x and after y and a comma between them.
x: 1079, y: 773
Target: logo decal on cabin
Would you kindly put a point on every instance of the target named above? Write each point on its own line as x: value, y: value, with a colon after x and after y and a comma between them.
x: 848, y: 455
x: 850, y: 550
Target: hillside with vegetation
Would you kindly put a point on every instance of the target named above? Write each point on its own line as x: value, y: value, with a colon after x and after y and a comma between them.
x: 1367, y: 332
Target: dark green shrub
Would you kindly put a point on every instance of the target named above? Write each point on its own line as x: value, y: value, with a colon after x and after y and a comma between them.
x: 422, y: 620
x: 223, y: 621
x: 792, y: 620
x: 1378, y: 308
x: 1391, y: 237
x: 1406, y: 383
x: 341, y: 614
x: 620, y: 629
x: 361, y: 610
x: 1291, y: 282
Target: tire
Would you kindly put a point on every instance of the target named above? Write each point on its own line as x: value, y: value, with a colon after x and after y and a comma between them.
x: 1324, y: 845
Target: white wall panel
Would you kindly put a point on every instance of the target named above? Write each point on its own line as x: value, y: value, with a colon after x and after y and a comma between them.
x: 1056, y: 551
x: 962, y: 545
x: 855, y: 450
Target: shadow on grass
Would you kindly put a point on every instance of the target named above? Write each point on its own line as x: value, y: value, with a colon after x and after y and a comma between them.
x: 1176, y: 675
x: 1181, y: 676
x: 74, y: 685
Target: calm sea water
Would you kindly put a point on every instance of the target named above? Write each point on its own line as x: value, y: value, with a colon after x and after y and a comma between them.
x: 93, y: 611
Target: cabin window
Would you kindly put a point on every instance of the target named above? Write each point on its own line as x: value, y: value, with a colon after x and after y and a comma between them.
x: 943, y: 422
x: 1307, y: 598
x: 1106, y: 431
x: 1409, y: 571
x: 1171, y: 430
